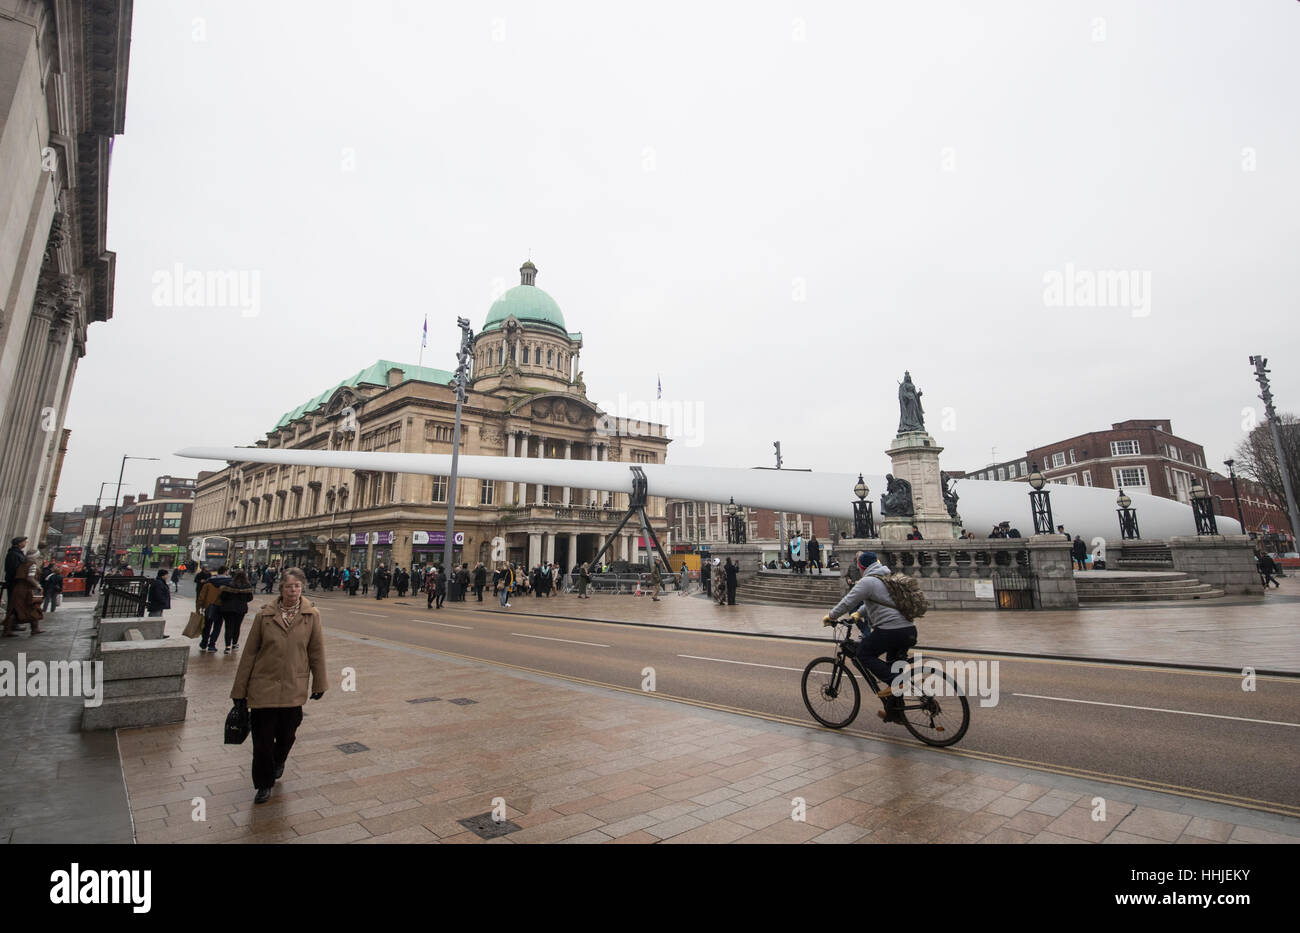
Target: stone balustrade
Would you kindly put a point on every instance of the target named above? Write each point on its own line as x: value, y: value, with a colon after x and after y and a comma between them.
x: 981, y: 573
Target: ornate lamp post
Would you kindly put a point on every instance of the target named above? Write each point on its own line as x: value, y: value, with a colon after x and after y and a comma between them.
x: 1128, y: 522
x: 864, y: 525
x: 1203, y: 510
x: 735, y: 523
x: 1236, y: 497
x: 1040, y: 501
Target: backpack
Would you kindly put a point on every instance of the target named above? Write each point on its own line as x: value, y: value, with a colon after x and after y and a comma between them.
x: 905, y: 593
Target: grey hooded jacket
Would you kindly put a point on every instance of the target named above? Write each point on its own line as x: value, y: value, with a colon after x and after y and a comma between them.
x: 871, y: 591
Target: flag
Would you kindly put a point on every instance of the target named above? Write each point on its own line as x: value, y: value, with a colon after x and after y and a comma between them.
x: 424, y: 337
x: 661, y: 388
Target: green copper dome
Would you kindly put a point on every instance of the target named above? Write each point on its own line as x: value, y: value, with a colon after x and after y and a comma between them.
x: 528, y: 303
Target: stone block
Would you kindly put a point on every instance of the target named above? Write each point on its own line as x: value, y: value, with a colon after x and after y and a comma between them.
x: 135, y: 712
x: 126, y: 660
x: 144, y: 686
x: 116, y: 629
x: 134, y: 634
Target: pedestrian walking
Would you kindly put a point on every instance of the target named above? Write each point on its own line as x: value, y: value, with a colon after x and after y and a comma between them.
x: 507, y: 582
x: 1079, y: 553
x: 656, y: 578
x: 160, y: 595
x: 686, y: 579
x: 24, y: 597
x: 1267, y: 569
x: 365, y: 581
x: 480, y: 580
x: 233, y: 600
x: 176, y: 577
x: 52, y: 588
x: 286, y: 645
x: 814, y: 554
x: 731, y: 571
x: 719, y: 578
x: 208, y: 602
x: 584, y: 580
x: 14, y: 558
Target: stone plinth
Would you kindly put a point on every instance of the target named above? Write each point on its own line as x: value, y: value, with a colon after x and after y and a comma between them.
x: 1225, y: 562
x: 915, y: 457
x: 748, y: 557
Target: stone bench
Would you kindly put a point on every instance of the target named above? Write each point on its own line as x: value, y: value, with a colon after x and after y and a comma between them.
x: 143, y: 675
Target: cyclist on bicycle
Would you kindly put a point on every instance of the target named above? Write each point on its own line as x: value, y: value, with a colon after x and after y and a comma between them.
x: 886, y: 630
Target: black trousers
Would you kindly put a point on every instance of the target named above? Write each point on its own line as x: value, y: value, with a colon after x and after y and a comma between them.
x: 274, y: 729
x: 731, y: 594
x: 233, y: 621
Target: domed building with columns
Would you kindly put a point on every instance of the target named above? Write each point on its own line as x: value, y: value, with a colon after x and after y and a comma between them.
x: 526, y: 398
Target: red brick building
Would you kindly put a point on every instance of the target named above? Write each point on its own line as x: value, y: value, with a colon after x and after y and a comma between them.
x: 1140, y: 455
x: 1263, y: 519
x: 706, y: 523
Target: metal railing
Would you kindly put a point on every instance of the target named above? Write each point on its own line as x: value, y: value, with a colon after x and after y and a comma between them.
x: 123, y: 597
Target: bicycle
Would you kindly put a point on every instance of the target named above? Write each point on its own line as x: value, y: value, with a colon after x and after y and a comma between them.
x: 917, y: 693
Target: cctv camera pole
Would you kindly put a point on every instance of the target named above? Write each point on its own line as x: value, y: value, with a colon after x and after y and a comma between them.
x: 462, y: 376
x: 780, y: 518
x: 1266, y: 394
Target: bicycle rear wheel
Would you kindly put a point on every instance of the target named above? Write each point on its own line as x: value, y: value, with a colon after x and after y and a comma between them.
x: 830, y: 691
x: 934, y: 708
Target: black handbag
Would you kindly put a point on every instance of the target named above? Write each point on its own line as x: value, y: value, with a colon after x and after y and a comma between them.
x: 237, y: 725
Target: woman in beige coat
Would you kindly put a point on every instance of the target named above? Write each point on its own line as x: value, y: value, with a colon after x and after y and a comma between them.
x: 285, y: 646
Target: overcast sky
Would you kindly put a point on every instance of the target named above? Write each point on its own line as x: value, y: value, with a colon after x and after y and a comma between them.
x: 776, y: 208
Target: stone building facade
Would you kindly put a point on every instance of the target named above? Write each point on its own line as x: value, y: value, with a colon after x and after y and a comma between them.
x: 526, y: 398
x: 63, y: 71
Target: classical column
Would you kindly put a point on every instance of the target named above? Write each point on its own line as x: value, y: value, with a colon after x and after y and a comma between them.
x: 572, y: 559
x: 550, y: 548
x: 523, y: 453
x: 568, y: 455
x: 541, y: 454
x: 22, y: 419
x: 510, y: 452
x: 534, y: 550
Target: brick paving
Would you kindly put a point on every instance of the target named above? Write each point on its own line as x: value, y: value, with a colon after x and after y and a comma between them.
x: 567, y: 762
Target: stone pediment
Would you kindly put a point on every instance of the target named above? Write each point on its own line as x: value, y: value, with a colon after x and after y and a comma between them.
x: 557, y: 408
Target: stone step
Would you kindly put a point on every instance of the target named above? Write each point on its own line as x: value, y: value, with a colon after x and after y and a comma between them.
x: 135, y: 712
x: 1148, y: 597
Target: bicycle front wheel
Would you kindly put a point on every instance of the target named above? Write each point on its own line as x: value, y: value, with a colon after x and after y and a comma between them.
x: 934, y: 709
x: 830, y: 691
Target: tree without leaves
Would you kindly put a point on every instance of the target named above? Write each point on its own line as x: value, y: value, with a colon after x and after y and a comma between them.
x: 1257, y: 458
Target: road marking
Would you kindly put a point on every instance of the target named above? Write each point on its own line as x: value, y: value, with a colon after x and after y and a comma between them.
x: 775, y: 667
x: 1157, y: 709
x: 443, y: 624
x: 376, y: 615
x: 569, y: 640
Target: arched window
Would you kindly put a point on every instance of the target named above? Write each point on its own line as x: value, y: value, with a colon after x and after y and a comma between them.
x: 526, y: 349
x: 501, y: 354
x: 548, y: 358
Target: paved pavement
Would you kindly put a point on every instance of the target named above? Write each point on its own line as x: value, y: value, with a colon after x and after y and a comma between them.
x: 448, y: 739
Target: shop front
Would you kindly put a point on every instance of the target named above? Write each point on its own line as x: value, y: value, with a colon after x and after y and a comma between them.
x: 427, y: 547
x: 357, y: 549
x: 275, y: 553
x: 383, y: 550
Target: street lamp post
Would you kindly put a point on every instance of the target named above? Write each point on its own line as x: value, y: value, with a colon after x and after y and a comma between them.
x: 462, y: 376
x: 108, y: 544
x: 1128, y: 522
x: 1236, y: 497
x: 1203, y: 510
x: 864, y: 525
x: 735, y: 524
x: 89, y: 548
x: 1040, y: 501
